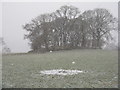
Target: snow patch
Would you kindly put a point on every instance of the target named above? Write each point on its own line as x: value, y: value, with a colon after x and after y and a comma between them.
x: 61, y: 72
x: 50, y: 51
x: 73, y: 62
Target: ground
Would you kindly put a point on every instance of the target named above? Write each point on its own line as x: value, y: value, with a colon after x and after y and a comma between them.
x: 23, y: 71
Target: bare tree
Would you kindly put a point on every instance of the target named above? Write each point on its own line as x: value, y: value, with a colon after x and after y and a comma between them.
x: 66, y: 28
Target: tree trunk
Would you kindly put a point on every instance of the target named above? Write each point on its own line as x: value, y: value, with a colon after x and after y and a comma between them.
x: 98, y: 43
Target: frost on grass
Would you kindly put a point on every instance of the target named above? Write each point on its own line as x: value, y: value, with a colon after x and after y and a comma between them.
x: 60, y: 72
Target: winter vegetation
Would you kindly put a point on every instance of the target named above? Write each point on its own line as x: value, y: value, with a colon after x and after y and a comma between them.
x: 67, y: 28
x: 72, y: 41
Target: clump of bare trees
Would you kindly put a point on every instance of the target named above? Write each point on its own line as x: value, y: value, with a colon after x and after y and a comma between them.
x: 67, y: 28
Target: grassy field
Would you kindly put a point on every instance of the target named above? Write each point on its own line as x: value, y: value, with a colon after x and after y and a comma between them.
x: 22, y: 71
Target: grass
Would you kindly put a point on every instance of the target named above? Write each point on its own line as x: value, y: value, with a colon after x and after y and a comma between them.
x: 22, y: 71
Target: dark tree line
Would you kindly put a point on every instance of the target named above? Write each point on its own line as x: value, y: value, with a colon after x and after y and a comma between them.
x: 67, y: 28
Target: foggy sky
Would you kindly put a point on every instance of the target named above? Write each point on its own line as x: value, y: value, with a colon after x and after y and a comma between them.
x: 14, y: 15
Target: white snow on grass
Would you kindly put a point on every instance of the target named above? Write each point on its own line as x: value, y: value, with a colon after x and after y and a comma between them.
x: 60, y: 72
x: 50, y: 51
x: 73, y: 62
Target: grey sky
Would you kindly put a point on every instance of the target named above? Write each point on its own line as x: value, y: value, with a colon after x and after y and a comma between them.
x: 14, y: 15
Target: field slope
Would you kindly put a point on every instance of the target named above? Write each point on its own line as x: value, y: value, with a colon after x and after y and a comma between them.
x: 22, y: 71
